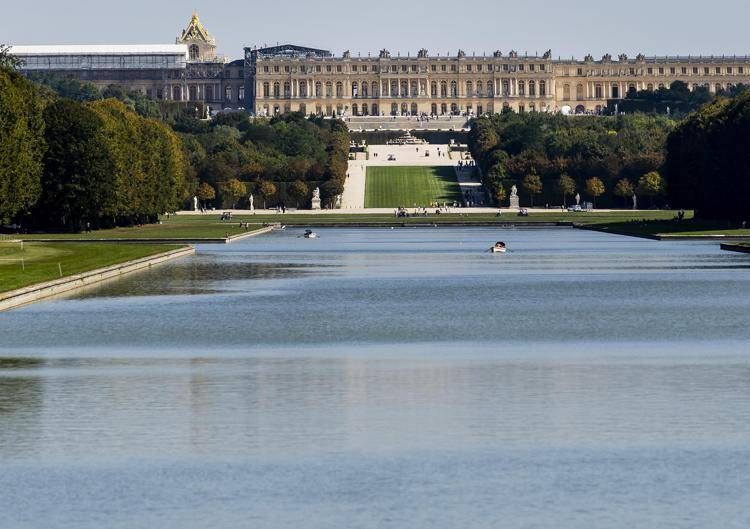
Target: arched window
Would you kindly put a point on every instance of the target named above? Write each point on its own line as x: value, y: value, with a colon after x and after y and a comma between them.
x: 433, y: 109
x: 375, y: 110
x: 521, y: 88
x: 443, y: 109
x: 266, y: 90
x: 394, y: 109
x: 303, y: 108
x: 469, y: 88
x: 443, y: 89
x: 454, y: 109
x: 318, y: 89
x: 404, y: 88
x: 414, y: 88
x: 287, y: 89
x: 374, y: 91
x: 194, y: 52
x: 542, y: 88
x: 566, y: 92
x: 276, y: 89
x: 480, y: 88
x: 532, y: 88
x: 433, y: 90
x: 339, y: 89
x: 650, y: 87
x: 579, y: 92
x: 364, y: 90
x: 303, y: 88
x: 355, y: 90
x: 454, y: 89
x: 177, y: 93
x: 364, y: 107
x: 228, y: 94
x: 413, y: 109
x: 355, y: 110
x: 506, y: 87
x: 404, y: 109
x: 329, y: 89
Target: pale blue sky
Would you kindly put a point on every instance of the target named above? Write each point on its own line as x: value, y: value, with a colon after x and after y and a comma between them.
x: 572, y: 27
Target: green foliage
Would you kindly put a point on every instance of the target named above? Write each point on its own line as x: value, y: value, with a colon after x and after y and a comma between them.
x: 232, y: 190
x: 677, y: 99
x: 708, y: 159
x: 8, y: 61
x: 298, y: 191
x: 565, y: 186
x: 21, y: 143
x: 595, y: 188
x: 533, y: 186
x: 267, y: 191
x: 509, y: 147
x: 205, y: 192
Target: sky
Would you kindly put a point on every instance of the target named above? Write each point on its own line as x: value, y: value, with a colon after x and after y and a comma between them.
x: 568, y: 27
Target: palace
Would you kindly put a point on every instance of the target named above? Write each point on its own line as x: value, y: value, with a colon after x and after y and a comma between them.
x: 289, y: 78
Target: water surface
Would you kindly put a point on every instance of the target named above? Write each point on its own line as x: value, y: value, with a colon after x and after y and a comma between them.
x: 387, y: 378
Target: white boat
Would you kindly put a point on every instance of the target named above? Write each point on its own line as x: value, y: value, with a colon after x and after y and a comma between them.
x: 309, y: 234
x: 499, y: 247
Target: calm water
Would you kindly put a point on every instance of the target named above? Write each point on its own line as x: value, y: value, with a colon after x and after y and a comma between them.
x: 388, y: 379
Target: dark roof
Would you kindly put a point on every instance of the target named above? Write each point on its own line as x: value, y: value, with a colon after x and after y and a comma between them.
x: 290, y: 50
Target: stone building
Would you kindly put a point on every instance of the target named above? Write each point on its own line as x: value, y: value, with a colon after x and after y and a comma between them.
x: 287, y: 78
x: 291, y: 78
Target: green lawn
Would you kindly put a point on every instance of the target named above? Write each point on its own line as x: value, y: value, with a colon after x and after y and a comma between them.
x: 391, y: 187
x: 32, y: 263
x: 206, y: 226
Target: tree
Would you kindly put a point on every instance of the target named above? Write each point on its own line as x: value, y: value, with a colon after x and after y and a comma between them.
x: 78, y: 183
x: 298, y: 191
x: 594, y: 188
x: 9, y: 61
x: 651, y: 184
x: 267, y: 191
x: 624, y: 189
x: 566, y: 186
x: 533, y: 186
x: 500, y: 194
x: 21, y: 144
x: 231, y: 190
x: 205, y: 192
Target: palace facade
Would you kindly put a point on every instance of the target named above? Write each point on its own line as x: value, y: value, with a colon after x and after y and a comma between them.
x: 289, y: 78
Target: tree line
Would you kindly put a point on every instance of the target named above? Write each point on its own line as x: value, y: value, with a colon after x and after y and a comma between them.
x: 708, y: 161
x: 70, y: 165
x: 551, y: 157
x: 279, y: 161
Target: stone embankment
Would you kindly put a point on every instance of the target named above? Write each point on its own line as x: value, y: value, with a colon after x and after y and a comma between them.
x: 32, y: 293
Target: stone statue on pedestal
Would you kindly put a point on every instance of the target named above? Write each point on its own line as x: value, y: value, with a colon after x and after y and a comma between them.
x: 195, y: 203
x: 635, y: 201
x: 316, y: 198
x: 252, y: 203
x: 514, y: 200
x: 578, y: 199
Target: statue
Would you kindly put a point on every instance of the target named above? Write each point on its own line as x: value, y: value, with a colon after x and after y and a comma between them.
x: 316, y: 199
x: 578, y: 199
x: 514, y: 200
x: 635, y: 201
x: 252, y: 203
x: 195, y: 203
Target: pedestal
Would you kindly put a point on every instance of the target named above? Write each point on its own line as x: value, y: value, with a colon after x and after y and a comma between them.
x: 315, y: 203
x: 514, y: 203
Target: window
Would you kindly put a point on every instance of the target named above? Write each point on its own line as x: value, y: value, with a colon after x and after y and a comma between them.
x: 286, y: 69
x: 276, y: 90
x: 442, y: 67
x: 265, y: 69
x: 468, y: 67
x: 684, y: 70
x: 531, y: 67
x: 479, y: 67
x: 240, y: 93
x: 434, y: 67
x: 317, y: 68
x: 276, y: 69
x: 532, y: 88
x: 729, y: 69
x: 706, y: 70
x: 650, y: 71
x: 194, y: 52
x: 453, y: 67
x: 266, y: 90
x: 580, y: 71
x: 521, y: 88
x: 542, y: 67
x: 413, y: 67
x: 632, y: 71
x: 364, y: 69
x: 354, y: 69
x: 542, y: 88
x: 227, y: 94
x: 520, y: 67
x: 672, y: 71
x: 695, y: 70
x: 741, y: 69
x: 328, y: 67
x: 661, y: 71
x: 338, y: 68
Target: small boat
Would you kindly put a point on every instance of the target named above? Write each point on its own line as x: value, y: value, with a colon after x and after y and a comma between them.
x: 309, y: 234
x: 499, y: 247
